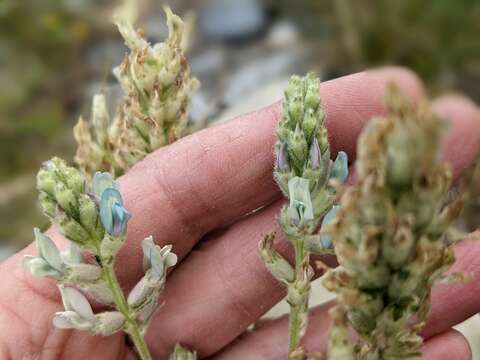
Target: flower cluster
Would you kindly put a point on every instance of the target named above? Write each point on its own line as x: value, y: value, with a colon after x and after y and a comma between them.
x: 157, y: 86
x: 307, y: 177
x: 86, y: 205
x: 94, y: 218
x: 390, y: 236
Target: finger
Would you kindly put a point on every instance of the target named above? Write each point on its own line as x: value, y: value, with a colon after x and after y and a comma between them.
x: 270, y: 340
x: 446, y: 346
x: 462, y: 143
x: 448, y: 310
x: 453, y: 303
x: 215, y: 176
x: 27, y: 331
x: 237, y: 282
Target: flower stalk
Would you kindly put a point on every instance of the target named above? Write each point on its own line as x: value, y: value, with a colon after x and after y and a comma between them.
x: 304, y: 173
x: 93, y: 218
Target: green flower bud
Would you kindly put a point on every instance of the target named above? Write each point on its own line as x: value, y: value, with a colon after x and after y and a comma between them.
x: 182, y: 353
x: 312, y: 99
x: 298, y: 148
x: 74, y: 180
x: 73, y: 231
x: 401, y: 159
x: 295, y: 109
x: 293, y: 88
x: 88, y: 213
x: 276, y: 264
x: 322, y: 138
x: 46, y: 181
x: 48, y: 206
x: 66, y: 199
x: 310, y: 123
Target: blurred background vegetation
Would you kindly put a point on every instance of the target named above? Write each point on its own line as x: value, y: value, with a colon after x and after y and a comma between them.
x: 55, y: 54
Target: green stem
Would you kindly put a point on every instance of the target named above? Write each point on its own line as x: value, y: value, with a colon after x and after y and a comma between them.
x: 297, y: 309
x: 122, y: 305
x: 294, y: 328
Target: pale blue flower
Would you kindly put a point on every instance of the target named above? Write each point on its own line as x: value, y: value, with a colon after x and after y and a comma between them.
x: 340, y: 167
x: 300, y: 208
x: 113, y: 215
x: 102, y: 181
x: 325, y: 239
x: 157, y: 258
x: 282, y: 158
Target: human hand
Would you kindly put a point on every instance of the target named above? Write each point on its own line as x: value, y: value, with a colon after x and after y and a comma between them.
x: 199, y: 194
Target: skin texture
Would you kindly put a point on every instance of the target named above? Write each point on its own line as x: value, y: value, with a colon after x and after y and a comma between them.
x: 199, y: 194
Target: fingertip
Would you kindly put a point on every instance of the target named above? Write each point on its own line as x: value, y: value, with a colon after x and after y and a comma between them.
x: 449, y: 105
x: 462, y: 143
x: 449, y: 345
x: 407, y: 80
x: 351, y: 101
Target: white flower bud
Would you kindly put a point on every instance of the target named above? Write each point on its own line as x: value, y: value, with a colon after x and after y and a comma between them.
x: 99, y: 291
x: 84, y: 272
x: 74, y: 300
x: 109, y: 322
x: 78, y: 313
x: 71, y: 320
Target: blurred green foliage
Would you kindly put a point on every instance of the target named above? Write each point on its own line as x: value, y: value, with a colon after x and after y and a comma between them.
x: 40, y: 43
x: 41, y: 78
x: 439, y: 39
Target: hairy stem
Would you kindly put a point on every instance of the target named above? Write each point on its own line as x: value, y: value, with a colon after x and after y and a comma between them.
x: 121, y: 304
x: 298, y: 308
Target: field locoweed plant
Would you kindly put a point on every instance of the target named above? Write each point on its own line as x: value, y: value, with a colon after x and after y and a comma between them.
x: 306, y: 175
x: 391, y: 236
x: 391, y: 231
x: 85, y: 205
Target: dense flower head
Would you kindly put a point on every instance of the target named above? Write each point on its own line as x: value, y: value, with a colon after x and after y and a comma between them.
x: 389, y: 234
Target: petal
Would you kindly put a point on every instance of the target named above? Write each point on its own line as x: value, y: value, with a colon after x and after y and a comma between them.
x: 147, y: 245
x: 120, y: 219
x: 101, y: 182
x: 108, y: 199
x: 171, y: 259
x: 326, y: 239
x: 157, y: 261
x: 63, y: 320
x: 71, y: 320
x: 300, y: 201
x: 75, y: 255
x: 340, y: 167
x: 40, y: 268
x: 48, y: 250
x: 74, y: 300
